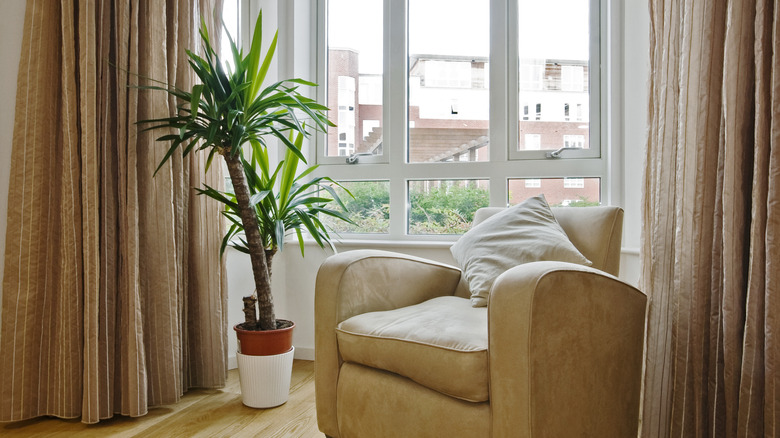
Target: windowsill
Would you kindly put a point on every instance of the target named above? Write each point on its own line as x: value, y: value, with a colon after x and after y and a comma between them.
x: 386, y: 243
x: 420, y: 243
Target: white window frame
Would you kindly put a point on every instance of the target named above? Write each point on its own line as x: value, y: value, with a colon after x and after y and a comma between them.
x: 505, y: 163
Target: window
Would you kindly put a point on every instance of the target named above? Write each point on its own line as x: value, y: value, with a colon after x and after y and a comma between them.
x: 437, y: 125
x: 574, y: 141
x: 572, y: 78
x: 531, y: 74
x: 445, y: 74
x: 533, y: 142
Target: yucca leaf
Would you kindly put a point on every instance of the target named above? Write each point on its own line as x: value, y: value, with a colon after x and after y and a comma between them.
x: 279, y: 233
x: 306, y: 172
x: 253, y: 57
x: 197, y: 90
x: 258, y: 197
x: 257, y: 82
x: 288, y: 143
x: 174, y: 145
x: 335, y: 195
x: 212, y: 152
x: 310, y: 227
x: 300, y: 239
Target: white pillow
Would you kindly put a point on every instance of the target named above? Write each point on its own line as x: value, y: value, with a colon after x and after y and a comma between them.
x: 526, y: 232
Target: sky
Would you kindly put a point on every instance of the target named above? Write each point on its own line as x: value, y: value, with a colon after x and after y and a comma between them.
x: 547, y: 28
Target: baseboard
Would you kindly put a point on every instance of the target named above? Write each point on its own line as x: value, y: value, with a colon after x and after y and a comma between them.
x: 304, y: 353
x: 301, y: 353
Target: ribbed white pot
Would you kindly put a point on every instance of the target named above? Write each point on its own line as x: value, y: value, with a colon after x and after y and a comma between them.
x: 265, y: 380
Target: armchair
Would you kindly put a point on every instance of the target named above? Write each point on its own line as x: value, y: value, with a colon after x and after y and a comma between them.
x: 399, y: 351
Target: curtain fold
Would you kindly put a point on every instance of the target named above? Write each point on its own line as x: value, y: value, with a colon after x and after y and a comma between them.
x: 114, y: 292
x: 710, y: 249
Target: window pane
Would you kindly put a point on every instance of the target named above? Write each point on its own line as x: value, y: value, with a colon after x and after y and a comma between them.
x: 445, y: 206
x: 553, y: 72
x: 560, y: 192
x: 448, y: 80
x: 370, y: 208
x: 355, y: 63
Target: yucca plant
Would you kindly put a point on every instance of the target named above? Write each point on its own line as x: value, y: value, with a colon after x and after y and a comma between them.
x: 284, y: 201
x: 230, y: 111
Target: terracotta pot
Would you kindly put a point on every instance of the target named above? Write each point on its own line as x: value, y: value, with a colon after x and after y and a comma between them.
x: 264, y: 342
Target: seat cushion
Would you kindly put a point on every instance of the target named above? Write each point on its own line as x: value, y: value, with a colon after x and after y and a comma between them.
x: 441, y: 344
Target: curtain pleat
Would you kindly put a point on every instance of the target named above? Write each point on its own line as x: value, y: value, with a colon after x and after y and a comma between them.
x: 114, y: 292
x: 709, y: 251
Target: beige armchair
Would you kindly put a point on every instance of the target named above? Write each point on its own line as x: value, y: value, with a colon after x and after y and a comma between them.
x: 400, y: 352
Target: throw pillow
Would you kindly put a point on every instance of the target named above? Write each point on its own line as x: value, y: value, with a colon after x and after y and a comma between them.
x: 526, y: 232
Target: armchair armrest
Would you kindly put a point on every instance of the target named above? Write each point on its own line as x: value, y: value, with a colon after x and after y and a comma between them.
x: 566, y: 345
x: 362, y: 281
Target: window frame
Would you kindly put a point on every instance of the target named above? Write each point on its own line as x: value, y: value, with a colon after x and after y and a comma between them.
x: 505, y: 164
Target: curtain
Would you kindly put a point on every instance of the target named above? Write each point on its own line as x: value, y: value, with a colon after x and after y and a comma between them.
x: 711, y: 220
x: 113, y: 293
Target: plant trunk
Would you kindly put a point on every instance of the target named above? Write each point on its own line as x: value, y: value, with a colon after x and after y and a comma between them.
x: 269, y: 257
x: 257, y: 255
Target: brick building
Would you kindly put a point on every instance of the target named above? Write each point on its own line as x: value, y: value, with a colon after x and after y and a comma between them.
x: 449, y: 114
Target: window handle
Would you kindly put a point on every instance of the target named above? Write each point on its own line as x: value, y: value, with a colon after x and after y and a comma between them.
x: 557, y: 153
x: 353, y: 159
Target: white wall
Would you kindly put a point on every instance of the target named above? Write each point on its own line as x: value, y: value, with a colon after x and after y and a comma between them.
x: 636, y: 69
x: 11, y: 30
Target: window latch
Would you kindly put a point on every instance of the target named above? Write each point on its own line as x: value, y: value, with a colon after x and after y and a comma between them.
x: 557, y: 153
x: 353, y: 159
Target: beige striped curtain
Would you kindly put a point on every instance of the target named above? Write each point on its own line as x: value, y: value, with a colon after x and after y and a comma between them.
x: 113, y: 295
x: 711, y: 232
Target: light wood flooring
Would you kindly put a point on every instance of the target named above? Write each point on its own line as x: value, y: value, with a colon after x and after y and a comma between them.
x: 200, y: 413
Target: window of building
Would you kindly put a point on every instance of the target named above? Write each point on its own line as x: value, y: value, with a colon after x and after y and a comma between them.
x: 532, y: 74
x: 572, y: 78
x: 574, y: 141
x: 447, y: 126
x: 533, y: 142
x: 446, y: 74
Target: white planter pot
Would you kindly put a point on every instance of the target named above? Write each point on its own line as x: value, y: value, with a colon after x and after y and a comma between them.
x: 265, y: 380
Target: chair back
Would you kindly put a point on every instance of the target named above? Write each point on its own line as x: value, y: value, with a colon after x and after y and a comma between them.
x: 597, y: 232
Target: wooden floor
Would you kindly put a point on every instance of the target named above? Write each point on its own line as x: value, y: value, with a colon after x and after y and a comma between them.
x: 200, y: 413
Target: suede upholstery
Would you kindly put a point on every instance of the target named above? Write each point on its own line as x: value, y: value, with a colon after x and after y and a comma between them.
x: 400, y: 352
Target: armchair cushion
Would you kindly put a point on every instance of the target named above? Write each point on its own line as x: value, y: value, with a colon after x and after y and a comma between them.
x: 441, y: 344
x: 527, y: 232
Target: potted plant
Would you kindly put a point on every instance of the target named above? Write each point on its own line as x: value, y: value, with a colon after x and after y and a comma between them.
x: 230, y: 114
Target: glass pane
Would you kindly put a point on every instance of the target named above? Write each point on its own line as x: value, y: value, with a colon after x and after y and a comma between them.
x: 553, y: 75
x: 445, y: 206
x: 230, y: 19
x: 560, y: 192
x: 448, y: 80
x: 370, y: 208
x: 355, y: 64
